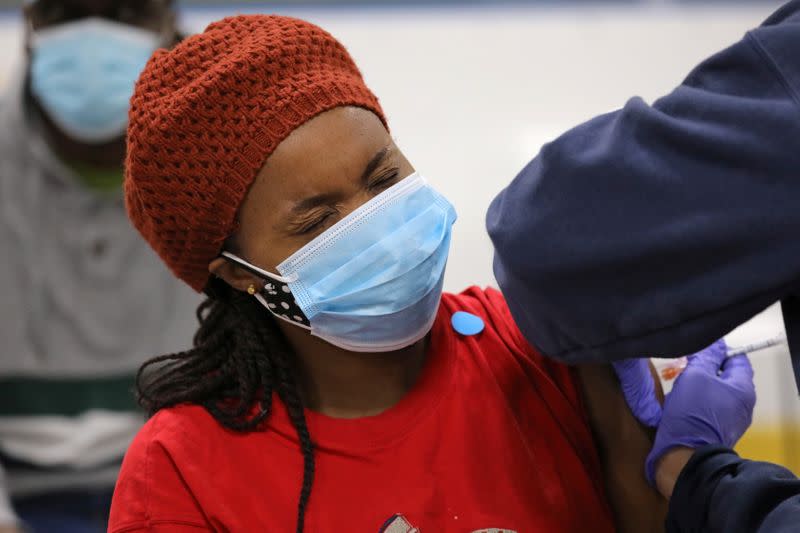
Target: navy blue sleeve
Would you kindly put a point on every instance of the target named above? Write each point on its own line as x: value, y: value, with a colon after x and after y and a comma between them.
x: 656, y: 229
x: 720, y: 493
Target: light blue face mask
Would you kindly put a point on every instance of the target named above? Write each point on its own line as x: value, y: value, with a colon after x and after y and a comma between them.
x: 373, y: 281
x: 83, y: 73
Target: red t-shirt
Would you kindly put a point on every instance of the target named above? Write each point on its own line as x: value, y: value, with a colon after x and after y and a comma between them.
x: 492, y: 437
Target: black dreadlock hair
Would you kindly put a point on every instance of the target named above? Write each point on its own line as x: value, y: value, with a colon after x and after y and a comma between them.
x: 239, y: 359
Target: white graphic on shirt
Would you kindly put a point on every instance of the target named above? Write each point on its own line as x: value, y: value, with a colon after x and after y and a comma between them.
x: 399, y: 524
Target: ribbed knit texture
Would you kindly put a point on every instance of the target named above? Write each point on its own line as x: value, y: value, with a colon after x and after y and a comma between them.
x: 206, y: 115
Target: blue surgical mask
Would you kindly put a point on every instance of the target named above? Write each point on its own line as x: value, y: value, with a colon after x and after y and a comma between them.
x: 373, y: 281
x: 83, y: 73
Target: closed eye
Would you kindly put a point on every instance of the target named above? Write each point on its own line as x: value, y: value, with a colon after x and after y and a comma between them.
x: 383, y: 181
x: 315, y: 223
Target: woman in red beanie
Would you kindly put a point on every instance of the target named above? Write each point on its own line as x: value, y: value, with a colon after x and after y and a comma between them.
x: 328, y: 363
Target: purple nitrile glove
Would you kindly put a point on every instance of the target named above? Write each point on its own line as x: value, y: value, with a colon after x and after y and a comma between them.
x: 639, y: 390
x: 711, y: 402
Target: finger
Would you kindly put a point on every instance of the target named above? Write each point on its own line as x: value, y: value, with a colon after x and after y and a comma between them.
x: 737, y: 368
x: 650, y: 412
x: 738, y: 374
x: 648, y: 408
x: 623, y: 366
x: 710, y: 359
x: 638, y: 387
x: 721, y: 345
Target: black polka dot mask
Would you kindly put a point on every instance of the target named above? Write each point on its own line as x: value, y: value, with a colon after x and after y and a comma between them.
x: 275, y: 294
x: 371, y: 282
x: 277, y: 297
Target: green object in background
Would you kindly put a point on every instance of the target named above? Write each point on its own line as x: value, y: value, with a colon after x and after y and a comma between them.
x: 33, y: 396
x: 101, y: 180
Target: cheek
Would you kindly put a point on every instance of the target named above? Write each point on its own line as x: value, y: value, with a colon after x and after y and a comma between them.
x: 278, y: 252
x: 256, y: 238
x: 258, y: 243
x: 267, y: 252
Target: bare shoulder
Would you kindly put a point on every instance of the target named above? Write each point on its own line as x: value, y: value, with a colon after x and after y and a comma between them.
x: 622, y: 444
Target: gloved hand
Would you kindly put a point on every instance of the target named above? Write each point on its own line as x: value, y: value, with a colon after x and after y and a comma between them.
x: 711, y: 402
x: 639, y: 390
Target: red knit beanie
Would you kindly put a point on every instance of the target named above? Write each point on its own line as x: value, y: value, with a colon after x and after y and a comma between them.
x: 206, y: 115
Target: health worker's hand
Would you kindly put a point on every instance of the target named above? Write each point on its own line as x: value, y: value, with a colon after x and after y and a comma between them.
x: 711, y: 402
x: 638, y: 387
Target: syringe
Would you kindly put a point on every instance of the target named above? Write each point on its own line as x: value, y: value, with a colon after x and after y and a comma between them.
x: 669, y: 369
x: 756, y: 346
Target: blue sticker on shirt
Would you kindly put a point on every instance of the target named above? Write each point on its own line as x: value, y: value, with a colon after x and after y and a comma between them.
x: 467, y: 323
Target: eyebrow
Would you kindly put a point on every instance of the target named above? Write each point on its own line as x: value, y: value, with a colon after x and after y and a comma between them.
x: 374, y: 163
x: 326, y: 198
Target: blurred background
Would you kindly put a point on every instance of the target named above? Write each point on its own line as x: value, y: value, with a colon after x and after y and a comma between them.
x: 472, y: 90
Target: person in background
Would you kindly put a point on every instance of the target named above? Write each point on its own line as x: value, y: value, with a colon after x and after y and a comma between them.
x: 84, y: 299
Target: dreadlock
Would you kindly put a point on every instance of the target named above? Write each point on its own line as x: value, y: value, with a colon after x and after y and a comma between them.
x: 239, y: 359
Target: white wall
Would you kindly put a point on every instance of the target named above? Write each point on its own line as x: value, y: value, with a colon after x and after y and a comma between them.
x: 472, y: 94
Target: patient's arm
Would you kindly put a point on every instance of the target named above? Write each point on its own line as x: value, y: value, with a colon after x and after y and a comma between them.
x: 623, y: 445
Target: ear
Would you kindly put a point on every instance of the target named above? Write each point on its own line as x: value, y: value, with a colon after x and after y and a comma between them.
x: 235, y: 276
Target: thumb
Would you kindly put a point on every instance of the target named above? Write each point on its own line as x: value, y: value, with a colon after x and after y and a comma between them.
x: 738, y: 372
x: 737, y: 368
x: 710, y: 359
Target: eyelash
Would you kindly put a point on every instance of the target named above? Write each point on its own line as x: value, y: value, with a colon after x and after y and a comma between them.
x: 381, y: 183
x: 314, y: 225
x: 311, y: 227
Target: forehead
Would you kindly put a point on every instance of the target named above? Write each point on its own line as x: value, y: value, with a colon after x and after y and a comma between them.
x: 325, y: 156
x: 332, y: 149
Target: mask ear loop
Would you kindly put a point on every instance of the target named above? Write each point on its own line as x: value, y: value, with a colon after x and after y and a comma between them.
x: 258, y: 271
x: 263, y: 273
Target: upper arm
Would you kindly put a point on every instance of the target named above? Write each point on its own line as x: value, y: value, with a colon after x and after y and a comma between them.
x: 592, y: 392
x: 622, y: 444
x: 677, y: 201
x: 151, y: 494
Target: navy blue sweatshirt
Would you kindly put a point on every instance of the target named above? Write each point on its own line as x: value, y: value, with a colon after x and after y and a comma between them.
x: 719, y: 492
x: 656, y: 229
